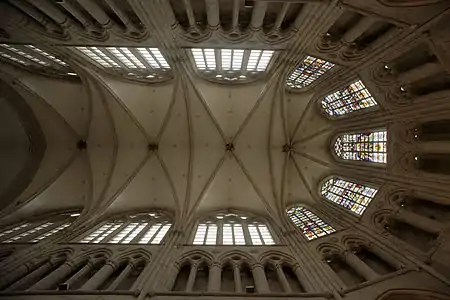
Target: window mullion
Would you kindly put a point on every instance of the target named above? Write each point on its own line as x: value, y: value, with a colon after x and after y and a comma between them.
x: 218, y: 57
x: 114, y: 233
x: 141, y: 58
x: 247, y: 238
x: 156, y: 233
x: 232, y: 234
x: 113, y: 57
x: 142, y: 233
x: 219, y: 239
x: 260, y: 235
x: 245, y: 58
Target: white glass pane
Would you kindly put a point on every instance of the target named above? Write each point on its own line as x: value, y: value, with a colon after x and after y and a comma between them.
x: 51, y: 232
x: 134, y: 233
x: 211, y: 238
x: 107, y: 232
x: 29, y: 232
x: 17, y: 228
x: 149, y: 234
x: 227, y: 237
x: 42, y: 52
x: 96, y: 233
x: 238, y: 235
x: 265, y: 234
x: 200, y: 234
x: 161, y: 234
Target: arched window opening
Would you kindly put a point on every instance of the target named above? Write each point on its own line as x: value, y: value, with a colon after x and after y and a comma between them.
x: 228, y: 284
x: 434, y: 131
x: 417, y: 237
x: 370, y: 146
x: 232, y: 229
x: 374, y: 262
x: 143, y: 228
x: 348, y: 276
x: 349, y: 99
x: 201, y: 279
x: 353, y: 196
x: 309, y: 223
x: 182, y: 278
x: 113, y: 277
x: 426, y: 208
x: 38, y: 230
x: 248, y: 283
x: 438, y: 163
x: 292, y: 280
x: 308, y: 72
x: 272, y: 279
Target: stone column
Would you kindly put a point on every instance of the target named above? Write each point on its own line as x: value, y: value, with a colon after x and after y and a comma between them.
x: 237, y: 278
x: 33, y: 276
x: 420, y: 72
x: 95, y: 11
x: 95, y: 281
x: 359, y: 266
x: 420, y: 222
x: 80, y: 274
x: 282, y: 279
x: 357, y: 30
x: 123, y: 275
x: 7, y: 279
x: 302, y: 278
x: 258, y: 13
x: 385, y: 257
x: 53, y: 278
x: 215, y: 277
x: 262, y: 286
x: 212, y: 12
x: 191, y: 279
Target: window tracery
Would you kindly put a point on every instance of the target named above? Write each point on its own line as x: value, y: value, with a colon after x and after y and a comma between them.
x: 231, y: 64
x: 353, y: 196
x: 308, y: 72
x: 36, y: 231
x: 368, y: 146
x: 351, y: 98
x: 309, y: 223
x: 232, y: 229
x: 144, y: 228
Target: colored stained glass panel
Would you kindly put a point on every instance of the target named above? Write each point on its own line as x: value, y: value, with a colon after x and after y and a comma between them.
x: 367, y: 146
x: 354, y: 197
x: 309, y: 223
x: 308, y: 71
x: 349, y: 99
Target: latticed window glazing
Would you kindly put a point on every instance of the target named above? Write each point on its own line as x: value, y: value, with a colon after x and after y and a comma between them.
x: 353, y: 196
x: 368, y: 146
x: 308, y: 71
x: 348, y: 99
x: 36, y: 231
x: 309, y: 223
x: 231, y: 64
x: 232, y: 229
x: 145, y: 228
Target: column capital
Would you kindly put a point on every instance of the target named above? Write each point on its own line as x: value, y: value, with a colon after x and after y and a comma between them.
x: 257, y: 265
x: 215, y: 265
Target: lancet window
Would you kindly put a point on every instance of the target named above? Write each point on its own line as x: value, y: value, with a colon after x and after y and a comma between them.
x: 308, y: 72
x: 368, y: 146
x: 232, y: 229
x: 352, y: 97
x: 353, y: 196
x: 231, y: 64
x: 143, y: 228
x: 309, y: 223
x: 37, y: 230
x: 35, y: 58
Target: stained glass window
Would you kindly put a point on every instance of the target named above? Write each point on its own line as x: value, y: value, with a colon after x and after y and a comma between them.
x: 308, y: 71
x: 309, y: 223
x: 366, y: 146
x: 353, y: 196
x: 232, y: 229
x: 351, y: 98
